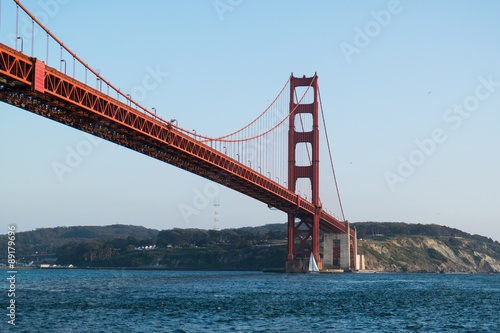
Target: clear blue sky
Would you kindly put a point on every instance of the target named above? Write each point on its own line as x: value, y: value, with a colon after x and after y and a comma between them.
x: 411, y: 90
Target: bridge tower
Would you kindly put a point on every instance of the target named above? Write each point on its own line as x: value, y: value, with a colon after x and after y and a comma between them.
x: 303, y: 231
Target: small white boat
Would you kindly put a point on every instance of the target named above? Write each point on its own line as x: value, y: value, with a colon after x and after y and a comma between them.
x: 313, y: 267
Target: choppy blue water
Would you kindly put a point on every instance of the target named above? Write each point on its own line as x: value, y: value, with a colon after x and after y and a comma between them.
x: 163, y: 301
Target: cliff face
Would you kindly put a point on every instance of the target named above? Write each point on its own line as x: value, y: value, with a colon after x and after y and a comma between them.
x: 429, y: 254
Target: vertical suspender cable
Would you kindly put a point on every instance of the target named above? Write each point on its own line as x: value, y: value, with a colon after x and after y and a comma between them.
x: 17, y: 24
x: 47, y: 53
x: 32, y: 38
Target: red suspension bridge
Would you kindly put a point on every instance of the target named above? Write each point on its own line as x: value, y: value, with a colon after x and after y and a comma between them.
x: 274, y: 159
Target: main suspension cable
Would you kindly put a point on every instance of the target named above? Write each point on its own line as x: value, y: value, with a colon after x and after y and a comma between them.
x: 261, y: 134
x: 330, y: 154
x: 260, y: 116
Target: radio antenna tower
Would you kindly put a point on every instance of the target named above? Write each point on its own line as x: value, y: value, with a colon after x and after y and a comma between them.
x: 216, y: 213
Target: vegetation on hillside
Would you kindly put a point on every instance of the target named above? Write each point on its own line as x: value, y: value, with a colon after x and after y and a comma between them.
x: 387, y: 246
x: 393, y: 229
x: 241, y: 237
x: 50, y: 240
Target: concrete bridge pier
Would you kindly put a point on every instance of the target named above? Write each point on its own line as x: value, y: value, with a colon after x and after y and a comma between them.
x: 339, y: 251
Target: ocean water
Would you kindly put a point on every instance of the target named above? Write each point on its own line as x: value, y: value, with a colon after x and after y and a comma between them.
x: 166, y: 301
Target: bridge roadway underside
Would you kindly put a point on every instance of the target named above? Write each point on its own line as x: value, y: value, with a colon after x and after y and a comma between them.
x: 77, y: 105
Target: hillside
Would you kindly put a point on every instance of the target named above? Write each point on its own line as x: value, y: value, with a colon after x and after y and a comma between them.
x: 49, y: 240
x: 429, y: 254
x: 401, y: 247
x: 392, y: 247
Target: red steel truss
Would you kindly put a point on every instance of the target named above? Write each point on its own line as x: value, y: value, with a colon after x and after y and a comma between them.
x: 28, y: 84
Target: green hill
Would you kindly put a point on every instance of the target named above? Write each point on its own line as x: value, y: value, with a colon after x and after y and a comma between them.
x: 396, y: 247
x: 401, y: 247
x: 49, y: 240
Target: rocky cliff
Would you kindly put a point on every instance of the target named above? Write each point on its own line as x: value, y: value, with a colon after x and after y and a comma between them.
x: 429, y: 254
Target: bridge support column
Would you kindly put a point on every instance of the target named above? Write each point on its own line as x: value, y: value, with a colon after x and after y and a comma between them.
x: 315, y: 239
x: 354, y: 254
x: 303, y: 231
x: 336, y: 251
x: 340, y: 251
x: 328, y: 252
x: 291, y: 235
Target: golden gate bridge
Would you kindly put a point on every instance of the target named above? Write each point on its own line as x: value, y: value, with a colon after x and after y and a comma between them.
x: 274, y: 159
